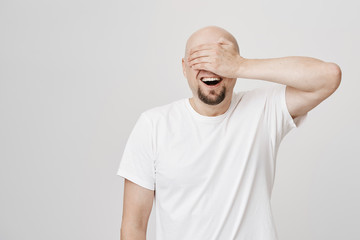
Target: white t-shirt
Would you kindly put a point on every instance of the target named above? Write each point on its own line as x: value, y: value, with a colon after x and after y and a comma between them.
x: 212, y: 176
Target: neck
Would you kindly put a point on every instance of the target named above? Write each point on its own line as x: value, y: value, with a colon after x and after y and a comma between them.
x: 210, y: 110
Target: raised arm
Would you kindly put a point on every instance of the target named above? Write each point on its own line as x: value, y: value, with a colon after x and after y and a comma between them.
x: 309, y: 81
x: 137, y: 205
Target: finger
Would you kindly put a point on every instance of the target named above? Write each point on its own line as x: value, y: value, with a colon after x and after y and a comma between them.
x: 203, y: 66
x: 200, y: 60
x: 200, y: 53
x: 205, y: 46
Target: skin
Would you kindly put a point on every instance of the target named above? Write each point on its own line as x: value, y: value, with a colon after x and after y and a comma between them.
x: 212, y: 50
x: 137, y: 205
x: 211, y: 34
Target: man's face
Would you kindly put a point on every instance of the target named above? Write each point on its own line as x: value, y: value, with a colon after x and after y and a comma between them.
x: 204, y: 87
x: 200, y: 81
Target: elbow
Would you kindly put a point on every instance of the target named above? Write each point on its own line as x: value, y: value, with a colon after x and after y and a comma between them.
x: 331, y: 78
x: 334, y: 76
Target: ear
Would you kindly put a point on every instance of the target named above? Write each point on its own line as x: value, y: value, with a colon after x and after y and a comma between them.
x: 183, y: 67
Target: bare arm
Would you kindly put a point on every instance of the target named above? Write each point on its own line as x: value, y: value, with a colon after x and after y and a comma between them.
x: 303, y: 73
x: 309, y: 81
x: 137, y: 207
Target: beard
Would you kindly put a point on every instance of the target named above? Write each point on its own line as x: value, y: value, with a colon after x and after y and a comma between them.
x: 209, y: 99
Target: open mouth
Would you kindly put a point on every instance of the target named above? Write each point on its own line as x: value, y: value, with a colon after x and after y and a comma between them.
x: 211, y: 81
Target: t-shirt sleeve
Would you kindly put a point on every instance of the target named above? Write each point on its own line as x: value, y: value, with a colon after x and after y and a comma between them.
x: 137, y: 162
x: 278, y: 117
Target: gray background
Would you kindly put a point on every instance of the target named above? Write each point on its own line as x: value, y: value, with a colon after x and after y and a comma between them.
x: 75, y: 75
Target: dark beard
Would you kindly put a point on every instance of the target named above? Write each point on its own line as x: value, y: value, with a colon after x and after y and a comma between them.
x: 209, y: 100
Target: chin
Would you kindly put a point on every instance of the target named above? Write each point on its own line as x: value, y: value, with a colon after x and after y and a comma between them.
x: 212, y: 99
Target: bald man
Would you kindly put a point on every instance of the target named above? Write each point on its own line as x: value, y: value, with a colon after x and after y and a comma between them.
x: 209, y: 161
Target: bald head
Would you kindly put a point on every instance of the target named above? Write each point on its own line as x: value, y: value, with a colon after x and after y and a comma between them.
x: 209, y: 34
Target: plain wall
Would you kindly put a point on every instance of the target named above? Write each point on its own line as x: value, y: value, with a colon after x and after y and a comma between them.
x: 75, y: 75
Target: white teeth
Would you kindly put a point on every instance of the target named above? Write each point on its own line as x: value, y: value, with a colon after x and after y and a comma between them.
x: 210, y: 79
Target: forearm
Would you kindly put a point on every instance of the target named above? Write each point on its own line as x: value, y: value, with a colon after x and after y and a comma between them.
x: 131, y: 233
x: 303, y: 73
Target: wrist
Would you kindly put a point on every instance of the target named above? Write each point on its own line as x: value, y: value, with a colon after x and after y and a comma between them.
x: 241, y: 63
